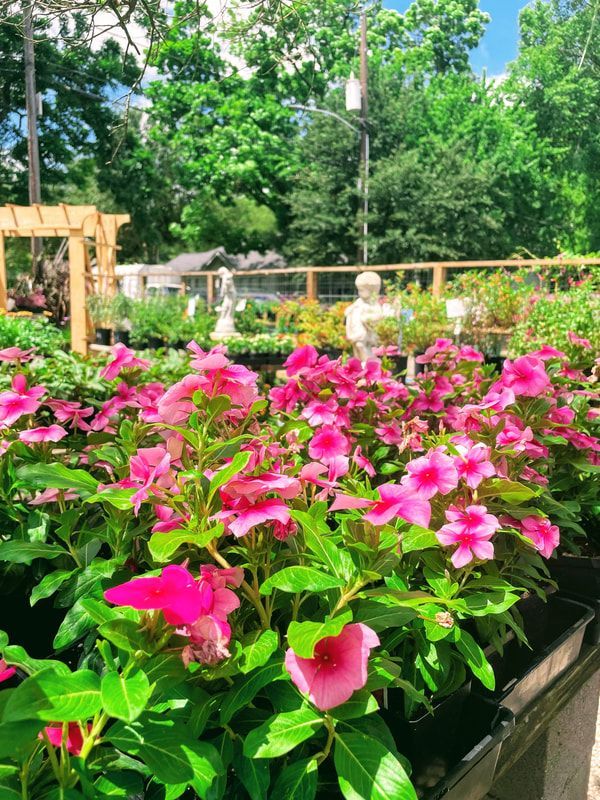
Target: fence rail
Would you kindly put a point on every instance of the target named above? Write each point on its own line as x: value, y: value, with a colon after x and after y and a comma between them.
x: 280, y: 279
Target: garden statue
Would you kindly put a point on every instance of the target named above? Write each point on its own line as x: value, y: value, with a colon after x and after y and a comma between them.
x: 364, y: 314
x: 227, y: 294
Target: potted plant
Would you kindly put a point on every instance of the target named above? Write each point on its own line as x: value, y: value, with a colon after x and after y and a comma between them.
x: 121, y: 306
x: 99, y: 309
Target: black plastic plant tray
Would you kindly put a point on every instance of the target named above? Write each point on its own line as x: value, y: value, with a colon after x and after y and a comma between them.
x: 592, y: 631
x: 459, y: 760
x: 577, y: 574
x: 555, y: 631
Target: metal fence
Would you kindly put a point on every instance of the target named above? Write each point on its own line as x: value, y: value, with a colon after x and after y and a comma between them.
x: 332, y: 284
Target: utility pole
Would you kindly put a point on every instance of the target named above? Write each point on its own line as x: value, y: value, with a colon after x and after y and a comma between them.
x: 35, y: 195
x: 363, y: 251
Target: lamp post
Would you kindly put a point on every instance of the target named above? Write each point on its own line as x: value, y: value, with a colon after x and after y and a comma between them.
x: 356, y: 101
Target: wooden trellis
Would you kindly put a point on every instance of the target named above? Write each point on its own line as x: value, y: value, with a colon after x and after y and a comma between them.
x: 85, y: 228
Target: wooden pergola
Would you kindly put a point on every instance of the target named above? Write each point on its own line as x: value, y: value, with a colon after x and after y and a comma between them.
x: 85, y: 227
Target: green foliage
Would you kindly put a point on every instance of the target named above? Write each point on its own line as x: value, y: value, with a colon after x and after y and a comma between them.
x: 551, y: 317
x: 31, y: 331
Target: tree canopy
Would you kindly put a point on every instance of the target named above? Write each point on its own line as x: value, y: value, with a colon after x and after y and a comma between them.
x: 207, y: 150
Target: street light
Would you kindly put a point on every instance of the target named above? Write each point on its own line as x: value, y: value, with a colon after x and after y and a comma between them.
x: 356, y: 101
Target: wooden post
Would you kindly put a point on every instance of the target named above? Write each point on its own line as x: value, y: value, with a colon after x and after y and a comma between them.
x: 79, y: 343
x: 3, y: 294
x: 312, y: 285
x: 439, y: 280
x: 210, y: 289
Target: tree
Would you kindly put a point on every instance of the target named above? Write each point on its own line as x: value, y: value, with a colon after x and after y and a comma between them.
x: 77, y: 87
x: 557, y: 77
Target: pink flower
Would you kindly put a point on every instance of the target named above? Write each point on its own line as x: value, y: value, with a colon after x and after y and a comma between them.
x: 526, y: 376
x: 19, y: 400
x: 301, y: 360
x: 251, y: 487
x: 542, y: 533
x: 6, y: 672
x: 147, y: 467
x: 513, y: 437
x: 74, y: 741
x: 123, y: 358
x: 362, y: 462
x: 338, y: 667
x: 321, y: 413
x: 220, y: 578
x: 431, y: 474
x: 575, y: 339
x: 343, y: 502
x: 174, y: 592
x: 54, y: 433
x: 473, y: 464
x: 52, y: 496
x: 327, y: 443
x: 247, y: 515
x: 16, y: 354
x: 546, y: 353
x: 471, y: 529
x: 68, y: 410
x: 399, y: 501
x: 214, y: 359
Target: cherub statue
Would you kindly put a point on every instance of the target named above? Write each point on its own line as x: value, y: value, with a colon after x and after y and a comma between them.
x: 364, y: 314
x: 227, y: 295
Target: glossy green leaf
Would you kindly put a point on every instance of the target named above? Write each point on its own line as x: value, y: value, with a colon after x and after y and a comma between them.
x: 417, y: 538
x: 125, y: 698
x: 258, y: 652
x: 303, y: 636
x: 282, y: 732
x: 18, y: 738
x: 19, y: 552
x: 300, y: 579
x: 238, y: 463
x: 164, y: 545
x: 246, y: 687
x: 367, y: 770
x: 296, y: 781
x: 254, y: 775
x: 50, y: 584
x: 55, y: 697
x: 57, y: 476
x: 476, y: 660
x: 126, y: 635
x: 380, y: 616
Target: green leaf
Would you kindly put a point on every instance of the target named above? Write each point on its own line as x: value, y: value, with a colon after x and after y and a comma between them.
x: 380, y: 617
x: 75, y: 624
x: 100, y: 612
x: 282, y: 732
x: 476, y: 660
x: 317, y: 538
x: 119, y: 498
x: 123, y: 783
x: 17, y: 738
x: 49, y: 584
x: 360, y: 705
x: 125, y: 698
x: 55, y: 697
x: 259, y: 651
x: 367, y: 770
x: 254, y: 775
x: 303, y: 636
x: 511, y: 491
x: 15, y: 655
x: 57, y: 476
x: 126, y: 635
x: 300, y: 579
x: 417, y: 538
x: 222, y: 476
x: 483, y: 603
x: 297, y: 781
x: 20, y: 552
x: 245, y: 689
x: 164, y: 746
x: 164, y: 545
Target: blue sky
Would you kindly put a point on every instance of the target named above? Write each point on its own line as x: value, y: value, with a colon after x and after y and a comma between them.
x: 499, y: 44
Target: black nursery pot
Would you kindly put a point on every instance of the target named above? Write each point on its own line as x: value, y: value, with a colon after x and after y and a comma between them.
x: 592, y: 631
x: 400, y: 364
x: 419, y: 368
x: 331, y: 352
x: 577, y: 574
x: 154, y: 342
x: 122, y: 337
x: 555, y: 631
x: 103, y: 336
x: 454, y: 753
x: 496, y: 361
